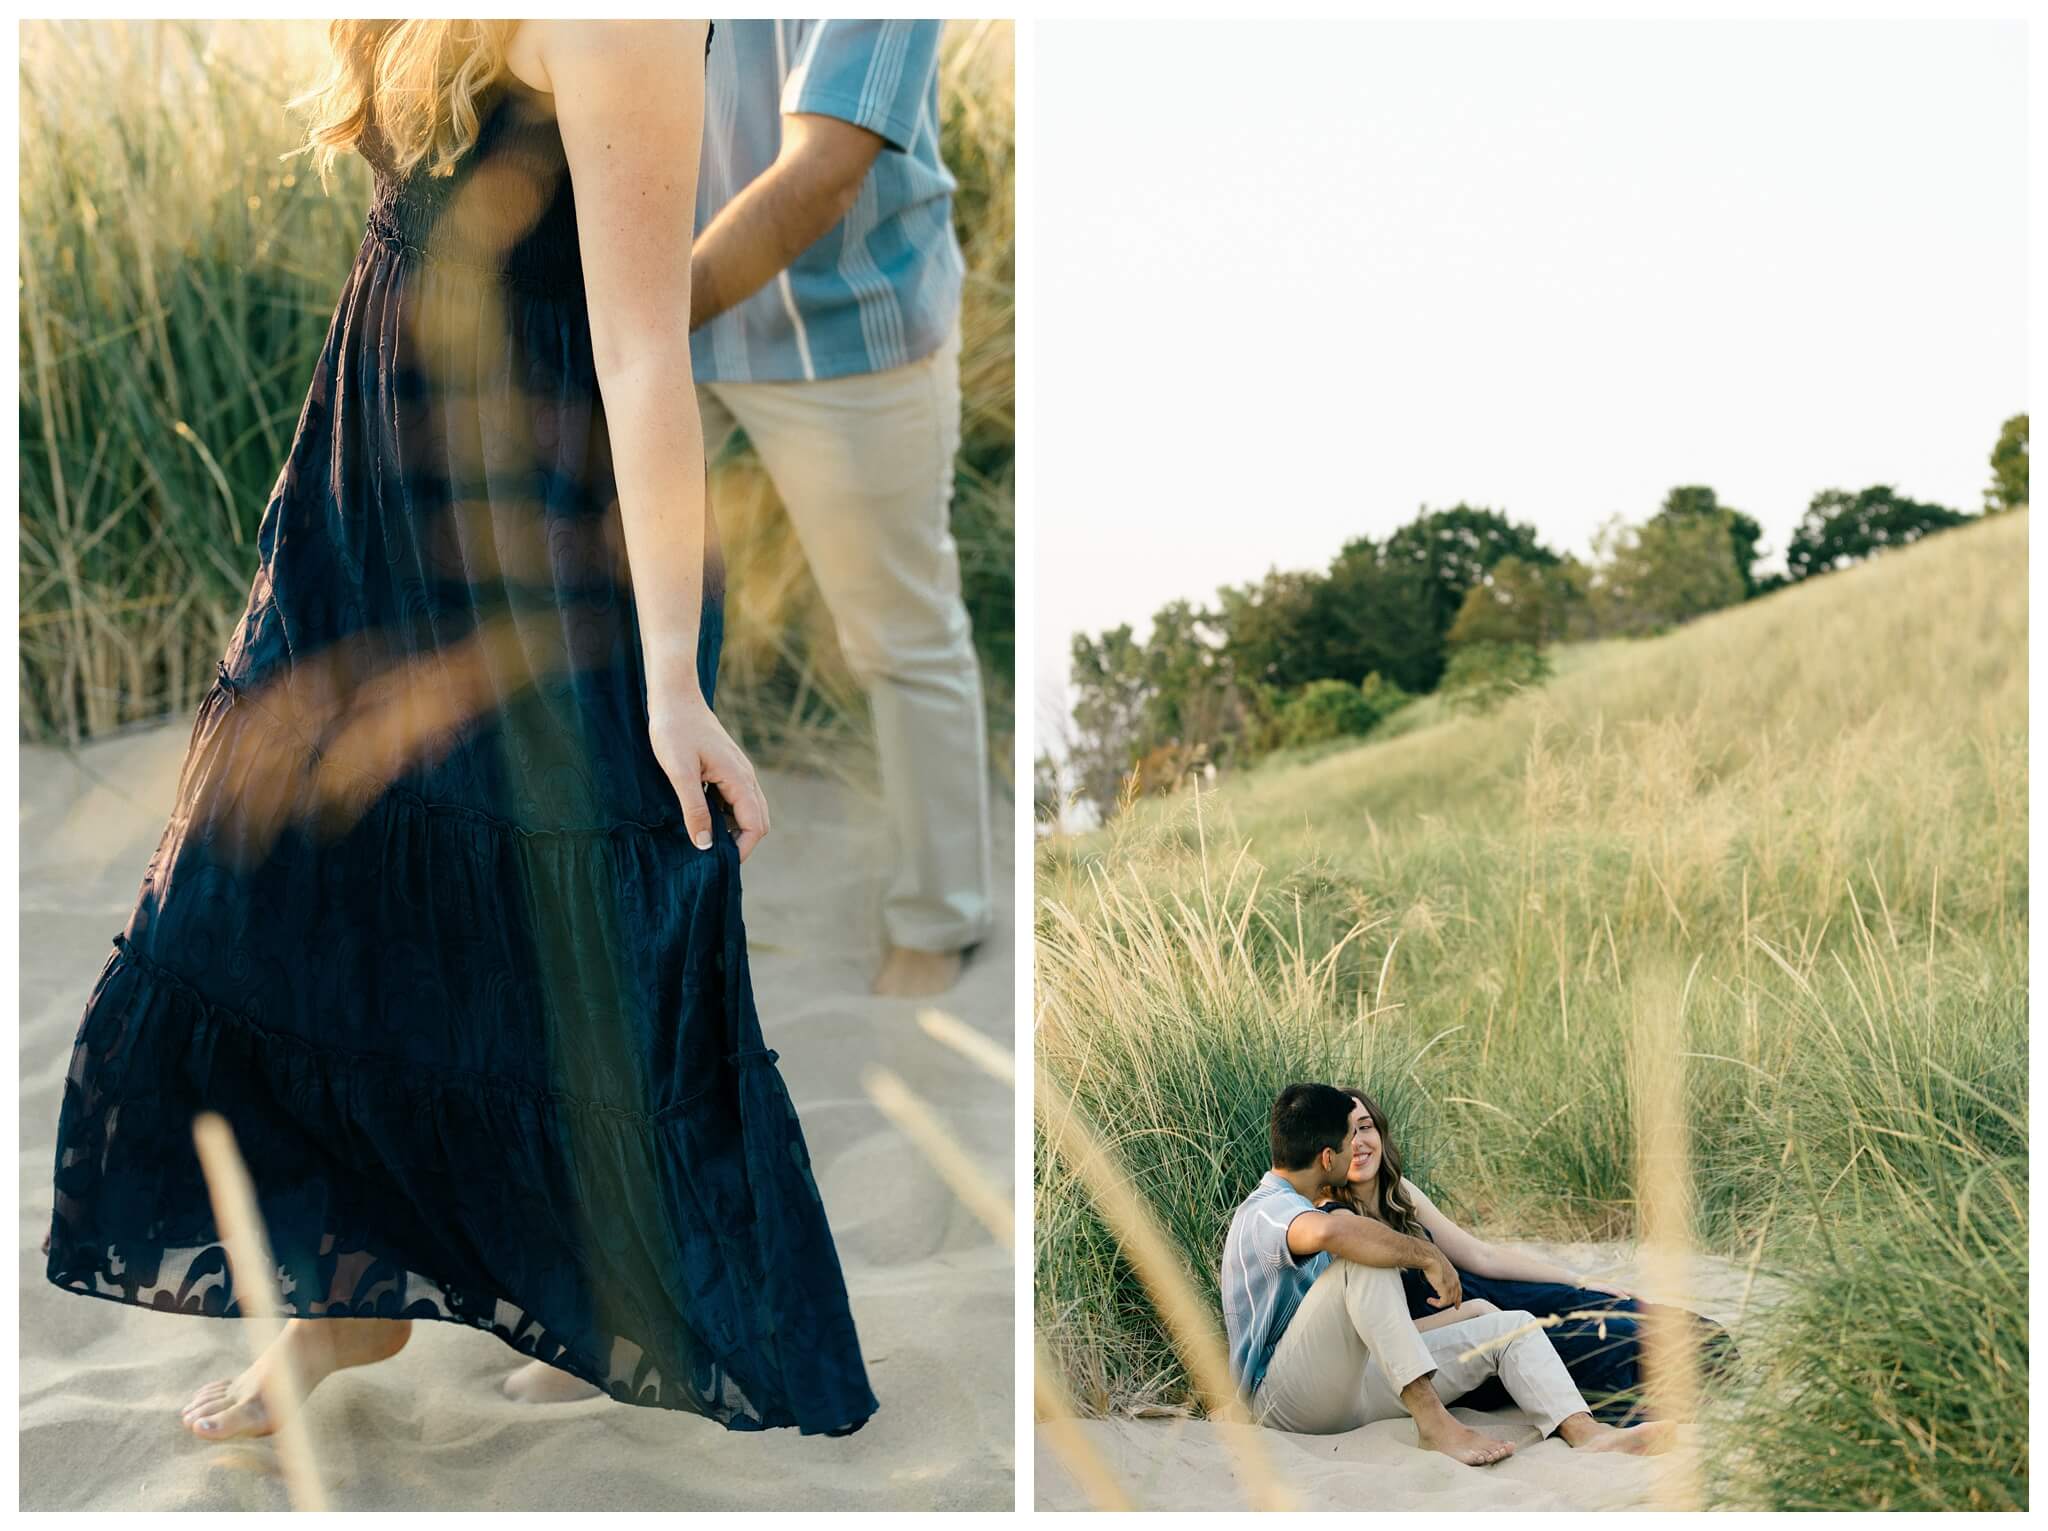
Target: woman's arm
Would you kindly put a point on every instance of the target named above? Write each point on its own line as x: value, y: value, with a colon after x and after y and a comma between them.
x: 1500, y: 1262
x: 629, y: 101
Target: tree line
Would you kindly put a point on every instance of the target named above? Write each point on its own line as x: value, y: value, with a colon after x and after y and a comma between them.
x: 1464, y: 603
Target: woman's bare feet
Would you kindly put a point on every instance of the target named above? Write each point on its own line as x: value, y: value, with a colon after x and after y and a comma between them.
x: 317, y: 1347
x: 538, y: 1382
x: 910, y: 974
x: 1582, y: 1432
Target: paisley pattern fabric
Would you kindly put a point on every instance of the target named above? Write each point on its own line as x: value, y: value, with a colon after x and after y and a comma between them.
x: 425, y: 925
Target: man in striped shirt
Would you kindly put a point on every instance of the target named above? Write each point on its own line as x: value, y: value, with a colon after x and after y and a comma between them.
x: 1319, y: 1332
x: 825, y: 310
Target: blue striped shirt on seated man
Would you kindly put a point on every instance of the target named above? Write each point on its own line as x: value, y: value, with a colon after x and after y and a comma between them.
x: 825, y: 324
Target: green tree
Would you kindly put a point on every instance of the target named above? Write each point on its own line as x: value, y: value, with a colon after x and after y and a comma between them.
x: 1452, y: 550
x: 2008, y: 467
x: 1110, y: 697
x: 1744, y: 534
x: 1376, y: 608
x: 1194, y: 698
x: 1373, y: 615
x: 1270, y: 632
x: 1176, y: 690
x: 1520, y: 602
x: 1664, y: 572
x: 1840, y: 528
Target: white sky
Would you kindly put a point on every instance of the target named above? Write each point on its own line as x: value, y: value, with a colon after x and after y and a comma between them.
x: 1293, y: 280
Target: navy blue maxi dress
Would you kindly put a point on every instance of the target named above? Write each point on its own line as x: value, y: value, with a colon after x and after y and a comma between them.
x: 425, y: 925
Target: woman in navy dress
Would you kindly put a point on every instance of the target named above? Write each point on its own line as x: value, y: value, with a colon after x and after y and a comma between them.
x: 444, y: 922
x: 1599, y: 1329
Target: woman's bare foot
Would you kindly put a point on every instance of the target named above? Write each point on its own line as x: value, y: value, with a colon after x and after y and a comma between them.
x: 317, y: 1347
x: 1582, y: 1432
x: 538, y: 1382
x: 911, y: 974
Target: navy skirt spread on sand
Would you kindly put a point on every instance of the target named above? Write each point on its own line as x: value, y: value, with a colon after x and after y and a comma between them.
x: 425, y: 926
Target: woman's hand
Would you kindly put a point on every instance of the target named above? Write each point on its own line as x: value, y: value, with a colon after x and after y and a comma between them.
x: 1605, y: 1286
x: 693, y: 747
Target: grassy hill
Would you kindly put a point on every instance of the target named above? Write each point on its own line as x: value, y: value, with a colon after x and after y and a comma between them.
x: 1781, y: 851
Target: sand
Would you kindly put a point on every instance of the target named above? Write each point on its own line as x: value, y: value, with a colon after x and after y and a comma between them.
x: 1188, y: 1464
x: 101, y: 1383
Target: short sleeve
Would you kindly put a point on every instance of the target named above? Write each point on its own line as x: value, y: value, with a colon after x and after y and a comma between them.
x: 874, y: 74
x: 1269, y: 1231
x: 1287, y: 1217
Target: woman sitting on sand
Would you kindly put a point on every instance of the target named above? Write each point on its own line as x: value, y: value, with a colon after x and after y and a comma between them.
x: 1598, y: 1333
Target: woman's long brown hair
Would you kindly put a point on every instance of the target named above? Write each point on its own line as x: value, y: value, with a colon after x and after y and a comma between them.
x: 415, y: 83
x: 1386, y: 1201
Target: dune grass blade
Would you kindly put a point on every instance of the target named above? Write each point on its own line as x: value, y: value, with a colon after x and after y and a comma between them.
x: 248, y: 1247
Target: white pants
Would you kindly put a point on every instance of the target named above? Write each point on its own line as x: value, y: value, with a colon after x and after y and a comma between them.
x: 1351, y: 1347
x: 864, y: 466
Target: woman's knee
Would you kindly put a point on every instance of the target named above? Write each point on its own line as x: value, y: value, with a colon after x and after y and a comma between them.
x: 1511, y: 1321
x: 1491, y: 1323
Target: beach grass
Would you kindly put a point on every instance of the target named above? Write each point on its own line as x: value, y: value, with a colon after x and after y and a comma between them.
x: 177, y: 280
x: 1809, y: 812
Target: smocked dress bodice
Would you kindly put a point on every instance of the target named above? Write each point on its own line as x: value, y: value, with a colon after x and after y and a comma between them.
x: 506, y: 210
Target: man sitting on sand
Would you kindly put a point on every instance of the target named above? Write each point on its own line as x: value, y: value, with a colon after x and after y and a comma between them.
x: 1320, y: 1337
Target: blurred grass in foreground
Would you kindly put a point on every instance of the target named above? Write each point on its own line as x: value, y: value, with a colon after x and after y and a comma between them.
x: 177, y: 280
x: 1817, y: 804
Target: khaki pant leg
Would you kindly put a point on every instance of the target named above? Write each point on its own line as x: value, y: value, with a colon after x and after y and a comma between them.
x: 1528, y: 1366
x: 1352, y: 1326
x: 864, y: 466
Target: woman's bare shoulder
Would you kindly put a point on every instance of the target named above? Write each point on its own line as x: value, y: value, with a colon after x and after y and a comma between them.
x: 542, y: 45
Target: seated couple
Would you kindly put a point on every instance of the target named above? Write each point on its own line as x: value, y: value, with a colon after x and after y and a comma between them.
x: 1326, y: 1336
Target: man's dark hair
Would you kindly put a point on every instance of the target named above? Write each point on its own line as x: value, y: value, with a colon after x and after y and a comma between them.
x: 1308, y: 1118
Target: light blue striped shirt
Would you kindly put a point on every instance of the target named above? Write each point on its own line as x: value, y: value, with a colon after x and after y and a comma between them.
x: 882, y: 287
x: 1262, y: 1282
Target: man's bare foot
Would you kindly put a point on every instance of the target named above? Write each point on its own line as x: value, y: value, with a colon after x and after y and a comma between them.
x: 1582, y: 1432
x: 1439, y: 1430
x: 1460, y: 1442
x: 317, y: 1347
x: 538, y: 1382
x: 911, y: 974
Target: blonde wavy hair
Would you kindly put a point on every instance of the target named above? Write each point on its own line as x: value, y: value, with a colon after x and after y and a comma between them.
x: 415, y: 82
